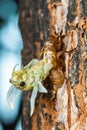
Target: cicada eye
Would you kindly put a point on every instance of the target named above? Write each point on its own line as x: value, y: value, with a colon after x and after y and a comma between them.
x: 22, y: 83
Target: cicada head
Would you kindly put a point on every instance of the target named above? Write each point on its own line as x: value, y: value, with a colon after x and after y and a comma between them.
x: 18, y: 78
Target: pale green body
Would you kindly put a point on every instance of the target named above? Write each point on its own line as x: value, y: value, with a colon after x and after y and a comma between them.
x: 31, y: 77
x: 37, y: 73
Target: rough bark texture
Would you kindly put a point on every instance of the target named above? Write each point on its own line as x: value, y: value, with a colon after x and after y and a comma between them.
x: 39, y: 19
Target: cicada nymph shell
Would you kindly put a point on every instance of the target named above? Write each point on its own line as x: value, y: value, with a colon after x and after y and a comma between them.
x: 52, y: 52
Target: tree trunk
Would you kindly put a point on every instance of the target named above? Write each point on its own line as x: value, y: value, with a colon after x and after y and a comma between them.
x: 39, y: 20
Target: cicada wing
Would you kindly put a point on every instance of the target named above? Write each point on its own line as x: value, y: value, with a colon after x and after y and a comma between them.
x: 12, y: 96
x: 42, y: 89
x: 47, y: 68
x: 33, y: 62
x: 32, y: 100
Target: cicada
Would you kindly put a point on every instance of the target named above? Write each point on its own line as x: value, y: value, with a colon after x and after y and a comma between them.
x: 28, y: 78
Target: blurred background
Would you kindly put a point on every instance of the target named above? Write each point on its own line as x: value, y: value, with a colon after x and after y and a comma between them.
x: 10, y: 54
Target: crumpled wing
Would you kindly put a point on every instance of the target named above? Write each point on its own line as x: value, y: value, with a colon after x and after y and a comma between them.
x: 12, y: 96
x: 47, y: 68
x: 33, y: 62
x: 42, y: 89
x: 32, y: 100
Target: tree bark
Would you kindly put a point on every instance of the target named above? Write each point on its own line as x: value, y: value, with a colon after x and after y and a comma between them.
x: 39, y: 20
